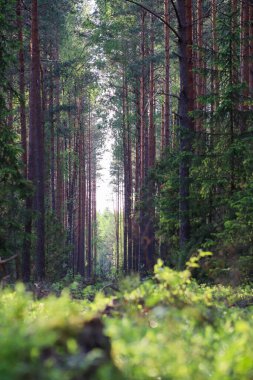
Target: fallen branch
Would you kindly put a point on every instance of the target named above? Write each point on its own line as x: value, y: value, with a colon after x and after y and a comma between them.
x: 109, y: 286
x: 5, y: 261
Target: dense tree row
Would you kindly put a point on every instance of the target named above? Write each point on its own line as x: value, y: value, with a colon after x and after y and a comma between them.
x: 182, y: 78
x: 50, y: 95
x: 174, y: 81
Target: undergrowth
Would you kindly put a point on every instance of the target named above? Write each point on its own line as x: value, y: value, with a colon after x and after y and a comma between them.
x: 164, y: 328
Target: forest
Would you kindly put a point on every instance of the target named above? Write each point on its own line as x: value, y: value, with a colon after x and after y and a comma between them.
x: 126, y: 189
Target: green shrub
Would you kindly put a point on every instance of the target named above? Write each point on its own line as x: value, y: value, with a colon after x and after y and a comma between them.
x: 167, y: 327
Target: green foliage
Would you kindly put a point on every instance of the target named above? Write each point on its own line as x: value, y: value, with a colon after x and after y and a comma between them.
x: 13, y: 187
x: 168, y: 327
x: 57, y: 250
x: 220, y: 199
x: 43, y: 339
x: 174, y: 329
x: 106, y: 243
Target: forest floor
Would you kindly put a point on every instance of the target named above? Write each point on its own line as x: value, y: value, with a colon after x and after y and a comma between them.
x: 166, y: 327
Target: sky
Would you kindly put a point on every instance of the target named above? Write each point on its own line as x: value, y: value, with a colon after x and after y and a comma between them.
x: 104, y: 188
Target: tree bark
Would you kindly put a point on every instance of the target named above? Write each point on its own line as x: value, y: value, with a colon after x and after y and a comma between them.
x: 52, y: 136
x: 82, y: 198
x: 94, y: 215
x: 129, y: 186
x: 251, y: 53
x: 245, y: 60
x: 126, y: 177
x: 59, y: 146
x: 166, y: 125
x: 22, y: 86
x: 199, y: 83
x: 26, y: 253
x: 136, y: 226
x: 89, y: 245
x: 186, y: 102
x: 36, y: 143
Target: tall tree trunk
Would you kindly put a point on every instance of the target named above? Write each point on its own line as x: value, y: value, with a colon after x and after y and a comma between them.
x: 36, y: 141
x: 152, y: 134
x: 52, y: 136
x: 233, y: 79
x: 26, y: 253
x: 73, y: 198
x: 251, y: 52
x: 136, y: 227
x: 199, y: 84
x: 94, y: 214
x: 143, y: 148
x: 117, y: 218
x: 150, y: 217
x: 59, y: 146
x: 186, y: 102
x: 245, y: 61
x: 22, y: 86
x: 129, y: 185
x: 82, y: 198
x: 89, y: 247
x: 214, y: 75
x: 166, y: 119
x: 142, y: 100
x: 162, y: 133
x: 126, y: 177
x: 71, y: 201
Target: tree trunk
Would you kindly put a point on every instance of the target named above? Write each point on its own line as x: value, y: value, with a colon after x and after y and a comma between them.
x: 89, y: 247
x: 59, y: 147
x: 186, y: 102
x: 52, y: 137
x: 199, y: 63
x: 214, y: 75
x: 82, y: 198
x: 143, y: 149
x: 126, y: 177
x: 94, y: 215
x: 245, y: 61
x: 152, y: 134
x: 166, y: 119
x: 117, y: 218
x: 251, y: 53
x: 22, y: 86
x: 150, y: 209
x: 136, y: 227
x: 36, y: 141
x: 26, y: 253
x: 129, y: 186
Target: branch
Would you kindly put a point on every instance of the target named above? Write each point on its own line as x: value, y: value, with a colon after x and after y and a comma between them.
x: 155, y: 15
x: 171, y: 95
x: 7, y: 260
x: 109, y: 286
x: 25, y: 6
x: 176, y: 11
